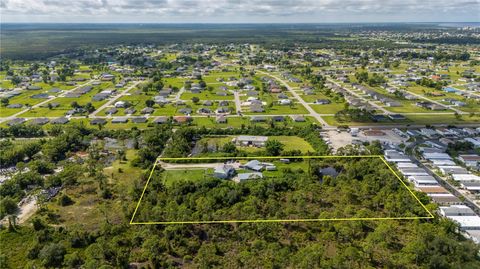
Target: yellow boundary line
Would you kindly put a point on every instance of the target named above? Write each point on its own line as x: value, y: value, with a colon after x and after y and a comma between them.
x: 431, y: 216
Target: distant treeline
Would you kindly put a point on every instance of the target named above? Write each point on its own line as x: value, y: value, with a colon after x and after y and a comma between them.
x: 40, y: 41
x: 467, y: 40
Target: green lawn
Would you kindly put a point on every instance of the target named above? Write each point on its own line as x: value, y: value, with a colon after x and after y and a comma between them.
x: 472, y: 105
x: 447, y: 119
x: 332, y: 121
x: 170, y: 176
x: 205, y: 95
x: 331, y: 108
x: 290, y: 143
x: 45, y: 112
x: 6, y: 112
x: 297, y: 108
x: 413, y: 119
x: 411, y: 107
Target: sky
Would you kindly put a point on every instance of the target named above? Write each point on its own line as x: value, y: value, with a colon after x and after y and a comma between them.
x: 238, y: 11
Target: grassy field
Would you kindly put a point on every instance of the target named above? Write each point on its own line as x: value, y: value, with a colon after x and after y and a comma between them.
x: 290, y: 143
x: 297, y: 108
x: 88, y: 209
x: 411, y: 107
x: 331, y: 108
x: 332, y: 121
x: 171, y: 176
x: 237, y: 122
x: 414, y: 119
x: 65, y: 103
x: 446, y: 119
x: 205, y: 95
x: 195, y: 174
x: 471, y: 105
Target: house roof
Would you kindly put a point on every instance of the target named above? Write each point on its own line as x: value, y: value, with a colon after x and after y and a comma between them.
x: 120, y: 120
x: 39, y: 121
x: 298, y: 118
x: 139, y: 119
x: 252, y: 138
x: 61, y: 120
x: 161, y: 120
x: 98, y: 121
x: 16, y: 121
x: 224, y: 169
x: 245, y: 176
x: 329, y: 171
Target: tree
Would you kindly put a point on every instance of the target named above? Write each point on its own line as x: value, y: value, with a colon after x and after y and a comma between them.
x: 89, y: 107
x: 65, y: 200
x: 52, y: 255
x: 457, y: 116
x: 8, y: 207
x: 5, y: 101
x: 229, y: 147
x: 274, y: 147
x: 16, y: 80
x: 121, y: 155
x: 37, y: 224
x: 149, y: 103
x: 361, y: 76
x: 195, y: 100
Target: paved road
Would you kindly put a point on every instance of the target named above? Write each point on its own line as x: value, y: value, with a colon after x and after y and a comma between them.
x: 452, y: 189
x: 238, y: 103
x: 312, y: 112
x: 115, y: 98
x: 44, y: 102
x: 179, y: 94
x: 435, y: 102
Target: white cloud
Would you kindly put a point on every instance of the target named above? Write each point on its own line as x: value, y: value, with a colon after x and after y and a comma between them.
x: 239, y: 11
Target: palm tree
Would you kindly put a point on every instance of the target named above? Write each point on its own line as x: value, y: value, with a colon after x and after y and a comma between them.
x: 12, y: 221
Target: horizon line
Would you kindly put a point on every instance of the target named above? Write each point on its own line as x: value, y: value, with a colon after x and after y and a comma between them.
x: 352, y: 22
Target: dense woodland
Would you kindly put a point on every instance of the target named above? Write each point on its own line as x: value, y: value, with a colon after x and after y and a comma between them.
x: 364, y: 188
x: 38, y: 41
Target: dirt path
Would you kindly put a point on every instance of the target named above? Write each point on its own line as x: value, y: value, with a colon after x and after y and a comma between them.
x: 27, y: 207
x: 175, y: 166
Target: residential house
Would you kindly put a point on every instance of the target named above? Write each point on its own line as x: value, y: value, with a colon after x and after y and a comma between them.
x: 39, y: 121
x: 120, y: 120
x: 111, y: 111
x: 139, y: 119
x: 250, y: 140
x: 246, y: 176
x: 161, y: 120
x: 298, y: 118
x: 256, y: 108
x: 258, y: 119
x: 16, y: 121
x: 120, y: 104
x: 147, y: 110
x: 224, y: 171
x: 98, y: 121
x: 61, y: 120
x: 221, y: 119
x: 130, y: 111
